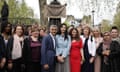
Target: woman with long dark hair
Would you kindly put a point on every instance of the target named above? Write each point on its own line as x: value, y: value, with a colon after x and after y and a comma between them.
x: 76, y: 52
x: 6, y: 32
x: 63, y: 41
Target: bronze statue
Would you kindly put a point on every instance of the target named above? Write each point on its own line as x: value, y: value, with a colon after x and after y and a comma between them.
x: 5, y: 12
x: 55, y: 2
x: 4, y: 15
x: 56, y: 11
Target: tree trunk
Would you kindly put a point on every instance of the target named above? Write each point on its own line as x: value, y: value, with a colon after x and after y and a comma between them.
x: 43, y: 20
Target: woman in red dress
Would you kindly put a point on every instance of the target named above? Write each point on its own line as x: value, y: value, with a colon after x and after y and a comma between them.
x: 76, y: 52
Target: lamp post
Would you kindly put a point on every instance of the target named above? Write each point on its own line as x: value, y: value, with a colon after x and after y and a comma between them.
x: 93, y: 16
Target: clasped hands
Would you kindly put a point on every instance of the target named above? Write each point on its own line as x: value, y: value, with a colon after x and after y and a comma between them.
x: 106, y: 52
x: 60, y: 59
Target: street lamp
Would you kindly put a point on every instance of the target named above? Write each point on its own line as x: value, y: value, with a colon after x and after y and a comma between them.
x: 93, y: 16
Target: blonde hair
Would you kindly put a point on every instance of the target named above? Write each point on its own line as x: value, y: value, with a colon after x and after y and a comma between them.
x: 96, y: 29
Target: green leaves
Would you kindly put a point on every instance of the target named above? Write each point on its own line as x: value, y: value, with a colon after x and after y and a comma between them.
x: 19, y: 11
x: 105, y: 25
x: 117, y: 17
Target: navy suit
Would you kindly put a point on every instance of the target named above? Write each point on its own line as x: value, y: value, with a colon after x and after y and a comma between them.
x: 48, y: 53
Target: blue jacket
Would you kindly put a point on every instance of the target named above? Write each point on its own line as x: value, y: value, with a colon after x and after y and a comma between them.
x: 63, y: 46
x: 47, y: 51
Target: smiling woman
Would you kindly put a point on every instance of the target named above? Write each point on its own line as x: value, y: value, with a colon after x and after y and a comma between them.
x: 31, y: 52
x: 108, y: 51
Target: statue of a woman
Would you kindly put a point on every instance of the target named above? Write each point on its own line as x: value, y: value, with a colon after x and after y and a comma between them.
x: 5, y: 12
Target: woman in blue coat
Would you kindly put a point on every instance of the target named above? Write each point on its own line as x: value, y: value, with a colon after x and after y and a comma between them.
x: 63, y: 41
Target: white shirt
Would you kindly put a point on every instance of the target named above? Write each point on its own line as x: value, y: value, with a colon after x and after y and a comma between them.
x: 53, y: 38
x: 91, y: 45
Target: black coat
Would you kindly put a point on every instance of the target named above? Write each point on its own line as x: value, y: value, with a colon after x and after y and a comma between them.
x: 10, y: 48
x: 2, y: 47
x: 113, y: 59
x: 27, y: 52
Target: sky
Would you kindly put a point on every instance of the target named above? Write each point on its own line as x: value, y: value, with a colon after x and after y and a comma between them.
x: 73, y: 8
x: 34, y: 4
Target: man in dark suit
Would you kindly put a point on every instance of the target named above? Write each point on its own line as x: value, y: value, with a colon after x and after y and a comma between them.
x: 48, y: 51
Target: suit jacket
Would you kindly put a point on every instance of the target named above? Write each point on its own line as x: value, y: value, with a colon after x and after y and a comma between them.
x: 47, y: 51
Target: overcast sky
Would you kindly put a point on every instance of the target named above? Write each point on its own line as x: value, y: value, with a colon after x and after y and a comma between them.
x: 75, y: 11
x: 35, y: 5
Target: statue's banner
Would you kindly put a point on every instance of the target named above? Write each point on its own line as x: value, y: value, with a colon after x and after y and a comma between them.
x: 55, y: 11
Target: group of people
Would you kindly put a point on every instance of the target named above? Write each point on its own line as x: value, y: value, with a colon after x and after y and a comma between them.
x: 60, y: 49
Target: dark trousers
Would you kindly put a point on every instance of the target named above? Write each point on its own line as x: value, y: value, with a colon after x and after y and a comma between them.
x: 17, y: 66
x: 33, y: 67
x: 2, y: 70
x: 51, y: 69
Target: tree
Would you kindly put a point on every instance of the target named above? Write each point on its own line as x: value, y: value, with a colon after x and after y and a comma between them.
x: 105, y: 25
x: 19, y: 12
x: 69, y: 19
x: 1, y: 3
x: 20, y: 9
x: 86, y: 20
x: 118, y: 7
x: 12, y: 8
x: 44, y: 20
x: 25, y: 11
x: 116, y: 21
